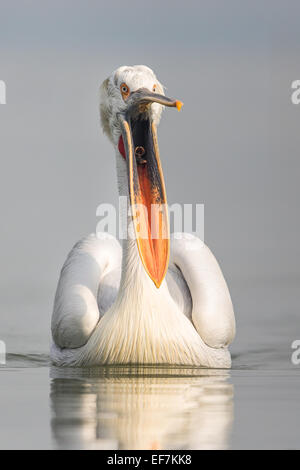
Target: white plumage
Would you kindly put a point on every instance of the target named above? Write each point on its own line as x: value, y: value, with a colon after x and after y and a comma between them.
x: 108, y: 310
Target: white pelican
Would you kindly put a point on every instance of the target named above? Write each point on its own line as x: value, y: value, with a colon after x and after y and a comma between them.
x: 156, y: 300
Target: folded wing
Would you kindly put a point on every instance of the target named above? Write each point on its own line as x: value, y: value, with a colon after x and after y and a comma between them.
x: 76, y: 311
x: 212, y: 310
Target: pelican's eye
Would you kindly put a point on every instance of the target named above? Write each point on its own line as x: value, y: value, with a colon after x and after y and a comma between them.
x: 124, y: 91
x: 154, y: 88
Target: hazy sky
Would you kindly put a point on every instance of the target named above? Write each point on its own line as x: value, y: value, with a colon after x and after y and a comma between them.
x: 164, y: 26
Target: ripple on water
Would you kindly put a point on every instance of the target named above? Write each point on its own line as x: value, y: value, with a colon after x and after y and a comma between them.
x: 23, y: 361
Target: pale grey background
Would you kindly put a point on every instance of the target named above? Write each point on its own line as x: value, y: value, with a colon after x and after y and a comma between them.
x: 234, y: 147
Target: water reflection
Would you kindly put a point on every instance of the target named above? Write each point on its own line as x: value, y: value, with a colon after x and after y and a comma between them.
x: 141, y: 408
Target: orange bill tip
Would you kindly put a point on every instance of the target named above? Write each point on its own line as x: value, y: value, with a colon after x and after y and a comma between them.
x: 179, y: 104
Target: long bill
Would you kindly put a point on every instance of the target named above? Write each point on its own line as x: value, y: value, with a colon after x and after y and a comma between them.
x: 148, y: 201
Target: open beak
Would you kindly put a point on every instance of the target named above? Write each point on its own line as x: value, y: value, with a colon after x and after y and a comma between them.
x: 146, y: 182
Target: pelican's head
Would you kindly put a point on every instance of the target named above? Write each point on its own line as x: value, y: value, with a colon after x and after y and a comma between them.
x: 131, y: 102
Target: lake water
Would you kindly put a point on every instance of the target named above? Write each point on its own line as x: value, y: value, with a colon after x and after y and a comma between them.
x: 253, y: 405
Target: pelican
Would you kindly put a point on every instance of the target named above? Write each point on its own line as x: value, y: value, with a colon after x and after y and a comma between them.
x: 157, y: 299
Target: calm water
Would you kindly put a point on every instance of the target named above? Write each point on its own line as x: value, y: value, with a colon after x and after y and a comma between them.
x: 254, y: 405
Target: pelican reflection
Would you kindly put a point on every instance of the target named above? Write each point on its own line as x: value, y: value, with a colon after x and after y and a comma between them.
x: 141, y: 408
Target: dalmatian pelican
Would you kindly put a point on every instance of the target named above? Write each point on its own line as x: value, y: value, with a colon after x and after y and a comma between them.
x: 158, y: 299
